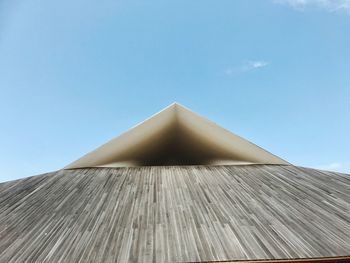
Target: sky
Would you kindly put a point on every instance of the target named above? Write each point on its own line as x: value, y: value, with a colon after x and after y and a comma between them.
x: 74, y: 74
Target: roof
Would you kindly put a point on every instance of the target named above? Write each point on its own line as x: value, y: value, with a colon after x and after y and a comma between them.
x: 175, y: 214
x: 176, y: 136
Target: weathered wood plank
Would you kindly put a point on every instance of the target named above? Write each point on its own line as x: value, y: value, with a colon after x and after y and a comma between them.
x: 175, y: 213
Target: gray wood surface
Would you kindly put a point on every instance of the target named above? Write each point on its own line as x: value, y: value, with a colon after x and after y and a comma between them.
x: 175, y: 214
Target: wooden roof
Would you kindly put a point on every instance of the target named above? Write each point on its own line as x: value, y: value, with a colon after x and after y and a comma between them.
x: 175, y: 214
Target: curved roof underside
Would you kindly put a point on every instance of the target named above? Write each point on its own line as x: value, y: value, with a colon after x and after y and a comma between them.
x: 176, y: 136
x: 175, y: 214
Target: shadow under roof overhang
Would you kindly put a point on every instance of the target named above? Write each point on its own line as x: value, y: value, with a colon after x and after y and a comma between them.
x: 176, y: 136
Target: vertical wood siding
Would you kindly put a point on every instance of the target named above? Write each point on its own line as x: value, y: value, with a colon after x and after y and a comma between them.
x: 175, y: 214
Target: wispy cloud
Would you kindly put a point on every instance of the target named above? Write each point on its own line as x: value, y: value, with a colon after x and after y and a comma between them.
x: 250, y: 65
x: 329, y: 5
x: 247, y: 66
x: 336, y: 167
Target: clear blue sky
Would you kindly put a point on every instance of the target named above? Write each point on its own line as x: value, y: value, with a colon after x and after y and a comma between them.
x: 74, y: 74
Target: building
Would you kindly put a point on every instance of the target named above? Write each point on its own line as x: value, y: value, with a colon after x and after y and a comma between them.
x: 177, y: 188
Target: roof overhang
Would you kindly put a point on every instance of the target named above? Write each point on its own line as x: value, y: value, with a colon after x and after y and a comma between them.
x: 176, y: 136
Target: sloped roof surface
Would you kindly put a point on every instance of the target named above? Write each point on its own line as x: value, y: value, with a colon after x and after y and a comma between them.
x: 176, y: 136
x: 175, y: 214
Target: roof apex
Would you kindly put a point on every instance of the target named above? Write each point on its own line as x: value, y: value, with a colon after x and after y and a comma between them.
x: 176, y: 136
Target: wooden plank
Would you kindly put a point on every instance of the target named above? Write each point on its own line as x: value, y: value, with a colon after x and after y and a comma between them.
x: 175, y: 213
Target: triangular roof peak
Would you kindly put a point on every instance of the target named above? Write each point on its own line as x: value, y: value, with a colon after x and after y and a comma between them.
x: 176, y: 136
